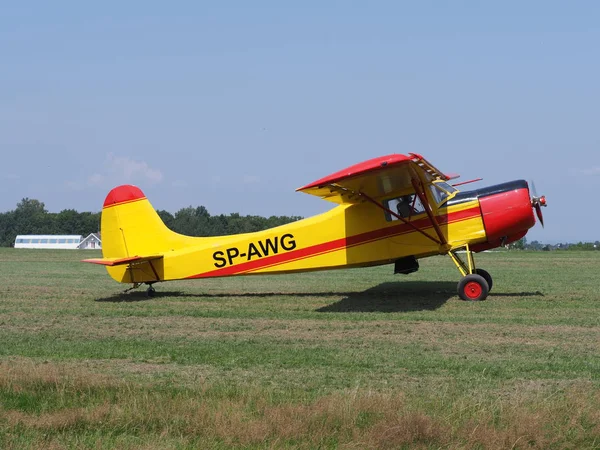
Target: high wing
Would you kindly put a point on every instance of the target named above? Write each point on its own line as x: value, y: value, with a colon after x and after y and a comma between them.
x: 374, y: 178
x: 120, y: 261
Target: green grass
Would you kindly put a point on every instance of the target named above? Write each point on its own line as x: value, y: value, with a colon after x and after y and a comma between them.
x: 341, y: 359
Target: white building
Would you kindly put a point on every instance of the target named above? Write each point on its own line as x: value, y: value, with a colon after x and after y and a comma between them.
x: 49, y: 241
x: 91, y: 242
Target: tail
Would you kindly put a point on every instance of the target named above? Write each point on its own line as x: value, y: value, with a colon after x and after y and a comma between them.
x: 134, y: 238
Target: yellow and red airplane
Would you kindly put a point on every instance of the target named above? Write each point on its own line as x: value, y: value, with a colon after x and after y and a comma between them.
x: 392, y: 209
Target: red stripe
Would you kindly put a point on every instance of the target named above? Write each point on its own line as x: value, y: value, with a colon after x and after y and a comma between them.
x: 123, y: 203
x: 383, y: 233
x: 337, y: 244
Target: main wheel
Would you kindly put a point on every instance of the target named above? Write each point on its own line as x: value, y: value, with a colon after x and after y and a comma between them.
x: 473, y: 288
x: 150, y: 291
x: 485, y: 274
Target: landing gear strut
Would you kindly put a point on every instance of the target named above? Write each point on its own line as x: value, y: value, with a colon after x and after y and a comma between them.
x: 475, y: 283
x: 135, y: 286
x: 150, y: 291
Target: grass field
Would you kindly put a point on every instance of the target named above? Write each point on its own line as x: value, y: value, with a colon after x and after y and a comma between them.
x: 342, y: 359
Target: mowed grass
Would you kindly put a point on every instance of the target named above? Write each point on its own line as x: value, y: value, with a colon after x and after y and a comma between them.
x: 341, y: 359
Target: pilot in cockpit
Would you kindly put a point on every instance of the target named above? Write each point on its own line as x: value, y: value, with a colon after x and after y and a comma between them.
x: 403, y: 207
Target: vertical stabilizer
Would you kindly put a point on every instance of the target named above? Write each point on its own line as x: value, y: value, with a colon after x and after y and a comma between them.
x: 130, y: 226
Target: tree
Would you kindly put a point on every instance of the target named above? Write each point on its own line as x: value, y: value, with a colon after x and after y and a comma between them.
x: 31, y: 217
x: 7, y: 230
x: 167, y: 218
x: 192, y: 221
x: 68, y: 221
x: 535, y: 245
x: 519, y: 245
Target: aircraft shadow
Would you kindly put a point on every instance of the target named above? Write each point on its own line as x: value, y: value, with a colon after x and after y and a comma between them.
x: 406, y: 297
x: 516, y: 294
x: 127, y: 297
x: 401, y: 296
x: 140, y: 296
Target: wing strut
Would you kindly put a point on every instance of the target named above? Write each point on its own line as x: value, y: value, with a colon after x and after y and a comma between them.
x: 398, y: 216
x: 418, y: 185
x: 154, y: 270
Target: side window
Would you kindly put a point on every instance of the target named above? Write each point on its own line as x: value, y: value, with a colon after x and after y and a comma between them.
x: 406, y: 206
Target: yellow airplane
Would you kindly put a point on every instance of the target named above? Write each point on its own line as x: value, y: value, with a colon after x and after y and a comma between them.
x: 392, y: 209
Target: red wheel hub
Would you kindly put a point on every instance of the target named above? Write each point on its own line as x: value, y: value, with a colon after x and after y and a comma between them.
x: 473, y: 290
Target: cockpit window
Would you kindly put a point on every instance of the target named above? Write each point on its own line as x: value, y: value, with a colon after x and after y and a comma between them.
x: 406, y: 207
x: 441, y: 191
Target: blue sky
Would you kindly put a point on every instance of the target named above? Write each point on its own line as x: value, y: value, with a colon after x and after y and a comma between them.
x: 233, y: 105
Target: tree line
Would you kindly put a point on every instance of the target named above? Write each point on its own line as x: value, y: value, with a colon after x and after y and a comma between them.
x: 31, y: 217
x: 524, y: 244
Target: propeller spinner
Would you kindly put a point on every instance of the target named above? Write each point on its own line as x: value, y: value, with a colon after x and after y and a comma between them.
x: 537, y: 202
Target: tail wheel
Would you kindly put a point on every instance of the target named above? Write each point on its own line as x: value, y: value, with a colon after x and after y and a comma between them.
x: 485, y: 274
x: 473, y: 288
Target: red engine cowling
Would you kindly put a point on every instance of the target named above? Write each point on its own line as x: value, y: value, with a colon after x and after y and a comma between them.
x: 507, y: 214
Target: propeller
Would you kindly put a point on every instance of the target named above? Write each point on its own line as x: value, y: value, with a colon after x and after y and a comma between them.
x: 537, y: 202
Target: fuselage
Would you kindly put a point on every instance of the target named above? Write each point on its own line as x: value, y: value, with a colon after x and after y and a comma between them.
x: 349, y: 235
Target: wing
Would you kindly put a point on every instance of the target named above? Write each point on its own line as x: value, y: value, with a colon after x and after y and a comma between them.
x: 121, y: 261
x: 374, y: 178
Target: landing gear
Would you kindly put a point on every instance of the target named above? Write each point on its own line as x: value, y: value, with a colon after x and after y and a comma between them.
x: 135, y: 286
x: 150, y: 291
x: 473, y: 288
x: 486, y: 275
x: 475, y: 283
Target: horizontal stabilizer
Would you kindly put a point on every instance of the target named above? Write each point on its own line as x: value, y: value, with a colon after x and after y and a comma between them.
x: 121, y: 261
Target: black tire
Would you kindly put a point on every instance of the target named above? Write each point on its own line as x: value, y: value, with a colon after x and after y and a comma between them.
x: 473, y: 288
x: 150, y: 292
x: 486, y: 275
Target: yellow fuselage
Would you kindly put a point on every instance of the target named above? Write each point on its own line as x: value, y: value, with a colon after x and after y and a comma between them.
x: 349, y: 235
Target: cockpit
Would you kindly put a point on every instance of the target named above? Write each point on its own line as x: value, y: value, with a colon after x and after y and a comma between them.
x: 410, y: 205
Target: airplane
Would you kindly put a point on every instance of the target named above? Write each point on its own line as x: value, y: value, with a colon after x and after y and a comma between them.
x: 393, y: 209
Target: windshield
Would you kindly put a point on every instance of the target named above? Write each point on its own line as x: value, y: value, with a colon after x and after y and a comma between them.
x: 441, y: 191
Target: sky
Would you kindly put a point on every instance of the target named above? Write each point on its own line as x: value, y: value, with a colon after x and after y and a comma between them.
x: 234, y: 105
